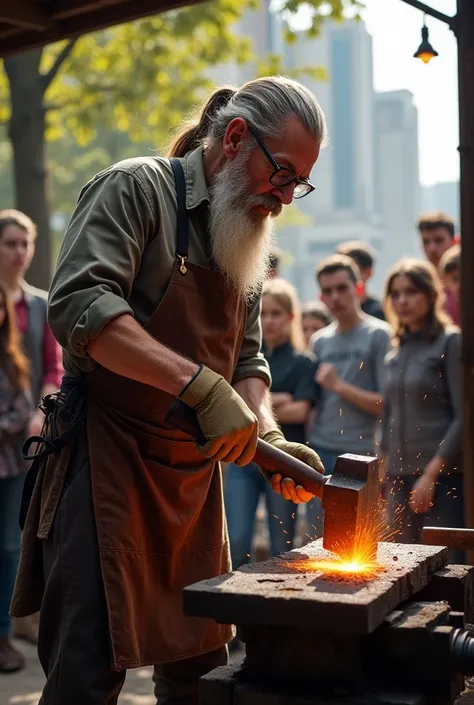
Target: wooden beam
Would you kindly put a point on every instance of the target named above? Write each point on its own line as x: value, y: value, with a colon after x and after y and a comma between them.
x: 460, y: 539
x: 465, y: 34
x: 9, y: 31
x: 24, y: 13
x: 125, y: 11
x: 72, y: 8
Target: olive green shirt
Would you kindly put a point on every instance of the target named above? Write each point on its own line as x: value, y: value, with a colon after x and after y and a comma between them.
x: 118, y: 255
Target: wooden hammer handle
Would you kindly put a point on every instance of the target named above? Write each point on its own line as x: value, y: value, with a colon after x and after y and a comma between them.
x: 267, y: 457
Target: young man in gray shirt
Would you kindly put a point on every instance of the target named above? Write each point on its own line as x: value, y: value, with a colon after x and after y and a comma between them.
x: 350, y: 352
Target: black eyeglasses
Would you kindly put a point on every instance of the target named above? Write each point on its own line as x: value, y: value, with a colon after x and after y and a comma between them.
x: 282, y: 176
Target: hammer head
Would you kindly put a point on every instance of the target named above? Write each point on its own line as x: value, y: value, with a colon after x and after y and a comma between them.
x: 351, y: 503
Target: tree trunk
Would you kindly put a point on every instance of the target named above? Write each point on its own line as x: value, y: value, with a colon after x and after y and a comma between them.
x: 26, y: 132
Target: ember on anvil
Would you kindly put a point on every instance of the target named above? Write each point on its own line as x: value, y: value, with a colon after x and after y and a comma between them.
x: 280, y: 592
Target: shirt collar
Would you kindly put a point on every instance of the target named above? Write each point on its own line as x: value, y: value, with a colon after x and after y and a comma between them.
x: 26, y: 292
x: 196, y: 185
x: 283, y: 348
x: 425, y: 333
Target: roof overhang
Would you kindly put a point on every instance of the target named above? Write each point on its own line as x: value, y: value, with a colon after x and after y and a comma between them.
x: 26, y: 24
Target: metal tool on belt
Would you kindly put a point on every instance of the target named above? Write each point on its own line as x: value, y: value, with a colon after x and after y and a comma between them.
x: 349, y: 496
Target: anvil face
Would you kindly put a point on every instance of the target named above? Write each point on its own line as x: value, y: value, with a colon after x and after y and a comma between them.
x: 285, y: 591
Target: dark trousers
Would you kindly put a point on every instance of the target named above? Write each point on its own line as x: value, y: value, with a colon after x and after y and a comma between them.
x: 243, y: 487
x: 447, y: 510
x: 10, y: 541
x: 73, y: 646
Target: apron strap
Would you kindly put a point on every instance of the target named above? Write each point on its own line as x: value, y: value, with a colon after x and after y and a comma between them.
x: 183, y: 223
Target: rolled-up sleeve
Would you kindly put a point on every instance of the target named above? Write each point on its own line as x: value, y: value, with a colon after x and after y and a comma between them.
x: 99, y: 258
x: 451, y: 445
x: 251, y: 361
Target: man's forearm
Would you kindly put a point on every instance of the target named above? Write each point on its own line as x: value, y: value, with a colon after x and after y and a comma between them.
x: 254, y: 392
x: 293, y: 412
x: 371, y: 402
x: 125, y: 348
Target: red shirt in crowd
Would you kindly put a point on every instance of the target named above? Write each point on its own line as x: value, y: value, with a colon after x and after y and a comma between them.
x: 52, y: 365
x: 452, y: 306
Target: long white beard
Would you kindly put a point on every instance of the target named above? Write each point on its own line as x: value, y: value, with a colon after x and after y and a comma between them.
x: 240, y: 240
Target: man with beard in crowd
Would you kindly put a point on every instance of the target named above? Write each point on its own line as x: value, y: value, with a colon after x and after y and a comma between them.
x: 156, y: 297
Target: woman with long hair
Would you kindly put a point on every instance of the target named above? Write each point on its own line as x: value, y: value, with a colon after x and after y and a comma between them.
x: 16, y: 410
x: 293, y: 393
x: 421, y: 438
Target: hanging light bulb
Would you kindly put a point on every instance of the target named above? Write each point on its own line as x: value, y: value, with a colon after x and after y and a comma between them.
x: 425, y: 51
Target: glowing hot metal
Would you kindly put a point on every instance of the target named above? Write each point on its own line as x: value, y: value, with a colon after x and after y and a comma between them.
x: 339, y: 569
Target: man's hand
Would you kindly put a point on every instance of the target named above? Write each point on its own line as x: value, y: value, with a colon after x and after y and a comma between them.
x: 326, y: 376
x: 230, y: 427
x: 288, y: 490
x: 422, y: 496
x: 285, y: 486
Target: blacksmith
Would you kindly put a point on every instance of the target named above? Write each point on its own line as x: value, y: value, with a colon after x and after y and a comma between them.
x: 156, y: 296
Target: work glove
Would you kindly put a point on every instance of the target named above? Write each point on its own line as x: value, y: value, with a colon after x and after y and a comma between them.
x: 230, y: 427
x: 285, y: 486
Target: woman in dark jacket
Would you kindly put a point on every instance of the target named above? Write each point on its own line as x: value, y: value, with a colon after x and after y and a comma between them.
x: 421, y: 438
x: 16, y: 411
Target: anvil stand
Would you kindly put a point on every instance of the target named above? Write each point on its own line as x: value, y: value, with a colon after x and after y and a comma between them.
x: 400, y: 641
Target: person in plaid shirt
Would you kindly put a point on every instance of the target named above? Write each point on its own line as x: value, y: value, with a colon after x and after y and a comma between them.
x: 16, y: 411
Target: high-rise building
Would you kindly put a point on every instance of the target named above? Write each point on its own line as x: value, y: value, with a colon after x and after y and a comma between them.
x: 264, y: 29
x: 398, y: 191
x: 344, y: 174
x: 343, y: 207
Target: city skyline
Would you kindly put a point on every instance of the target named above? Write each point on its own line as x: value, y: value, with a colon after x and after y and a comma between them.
x: 396, y: 33
x: 434, y: 86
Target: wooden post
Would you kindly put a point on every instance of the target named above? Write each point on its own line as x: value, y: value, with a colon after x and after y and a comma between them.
x: 465, y: 34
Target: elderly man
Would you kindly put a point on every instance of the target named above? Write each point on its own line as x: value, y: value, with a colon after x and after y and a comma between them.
x: 156, y: 297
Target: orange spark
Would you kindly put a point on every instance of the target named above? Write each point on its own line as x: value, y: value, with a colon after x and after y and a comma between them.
x: 360, y: 564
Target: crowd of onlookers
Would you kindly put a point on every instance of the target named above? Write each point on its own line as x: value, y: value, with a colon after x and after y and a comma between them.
x: 354, y: 374
x: 350, y: 373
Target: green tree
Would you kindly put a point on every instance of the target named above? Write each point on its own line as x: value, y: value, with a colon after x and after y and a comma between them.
x: 137, y: 78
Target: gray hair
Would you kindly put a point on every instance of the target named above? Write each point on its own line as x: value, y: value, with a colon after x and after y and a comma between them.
x: 264, y: 103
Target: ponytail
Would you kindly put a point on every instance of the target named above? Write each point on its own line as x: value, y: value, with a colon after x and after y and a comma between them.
x: 195, y: 131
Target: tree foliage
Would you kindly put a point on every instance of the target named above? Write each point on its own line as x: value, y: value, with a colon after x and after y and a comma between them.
x: 139, y: 77
x: 142, y: 77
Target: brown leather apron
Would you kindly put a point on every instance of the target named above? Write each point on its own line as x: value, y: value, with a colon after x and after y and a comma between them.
x: 158, y: 504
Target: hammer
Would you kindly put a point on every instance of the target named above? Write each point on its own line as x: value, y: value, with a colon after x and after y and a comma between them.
x: 350, y: 496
